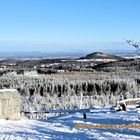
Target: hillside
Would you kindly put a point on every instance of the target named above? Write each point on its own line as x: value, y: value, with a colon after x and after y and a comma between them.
x: 101, y: 55
x: 128, y: 64
x: 29, y: 62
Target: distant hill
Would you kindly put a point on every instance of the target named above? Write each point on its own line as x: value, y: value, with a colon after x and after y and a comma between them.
x: 101, y: 55
x: 126, y: 64
x: 30, y: 62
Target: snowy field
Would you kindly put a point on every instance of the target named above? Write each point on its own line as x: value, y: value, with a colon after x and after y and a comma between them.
x: 63, y: 128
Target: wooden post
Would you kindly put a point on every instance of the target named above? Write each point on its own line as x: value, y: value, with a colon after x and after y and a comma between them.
x: 84, y: 115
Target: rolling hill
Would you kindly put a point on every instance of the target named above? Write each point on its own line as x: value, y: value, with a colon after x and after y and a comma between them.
x: 101, y: 55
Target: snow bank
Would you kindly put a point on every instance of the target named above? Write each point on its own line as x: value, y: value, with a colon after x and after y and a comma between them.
x: 63, y: 128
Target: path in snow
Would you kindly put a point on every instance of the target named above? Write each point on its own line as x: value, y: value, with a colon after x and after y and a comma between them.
x: 63, y: 128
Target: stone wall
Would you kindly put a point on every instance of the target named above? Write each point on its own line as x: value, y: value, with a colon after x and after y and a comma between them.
x: 9, y: 104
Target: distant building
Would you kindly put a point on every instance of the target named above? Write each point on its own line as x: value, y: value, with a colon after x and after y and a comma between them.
x: 31, y: 73
x: 60, y: 71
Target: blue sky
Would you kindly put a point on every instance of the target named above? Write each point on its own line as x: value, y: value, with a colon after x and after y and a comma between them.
x: 57, y: 25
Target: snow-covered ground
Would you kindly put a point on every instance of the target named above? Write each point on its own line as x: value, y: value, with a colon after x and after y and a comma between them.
x: 63, y: 128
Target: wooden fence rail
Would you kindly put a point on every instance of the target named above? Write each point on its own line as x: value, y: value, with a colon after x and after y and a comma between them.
x: 44, y: 114
x: 122, y: 105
